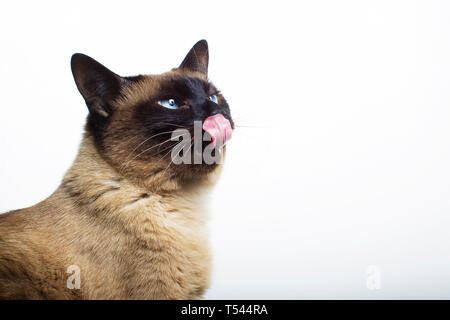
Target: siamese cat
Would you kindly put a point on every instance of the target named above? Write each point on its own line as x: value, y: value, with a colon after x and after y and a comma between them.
x: 125, y: 223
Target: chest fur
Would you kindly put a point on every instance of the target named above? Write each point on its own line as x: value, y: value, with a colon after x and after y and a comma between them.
x: 152, y: 251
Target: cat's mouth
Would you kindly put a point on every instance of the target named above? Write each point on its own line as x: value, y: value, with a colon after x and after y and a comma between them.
x: 219, y: 129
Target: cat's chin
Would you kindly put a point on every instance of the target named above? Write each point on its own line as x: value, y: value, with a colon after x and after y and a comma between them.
x: 201, y: 170
x: 199, y: 174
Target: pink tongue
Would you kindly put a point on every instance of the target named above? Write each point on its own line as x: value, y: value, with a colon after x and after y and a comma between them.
x: 218, y: 128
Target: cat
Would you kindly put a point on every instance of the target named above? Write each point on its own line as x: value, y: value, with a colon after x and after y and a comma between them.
x: 125, y: 223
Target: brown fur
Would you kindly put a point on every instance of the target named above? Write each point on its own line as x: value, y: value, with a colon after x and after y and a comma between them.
x: 129, y: 243
x: 133, y: 235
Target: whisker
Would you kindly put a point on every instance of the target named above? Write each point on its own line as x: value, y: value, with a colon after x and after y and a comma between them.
x: 170, y: 162
x: 239, y: 126
x: 140, y: 144
x: 171, y: 146
x: 148, y: 149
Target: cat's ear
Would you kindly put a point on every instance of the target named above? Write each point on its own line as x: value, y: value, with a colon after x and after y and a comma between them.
x: 197, y: 58
x: 97, y: 84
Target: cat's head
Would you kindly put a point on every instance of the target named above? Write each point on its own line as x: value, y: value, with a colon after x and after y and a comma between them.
x: 132, y: 119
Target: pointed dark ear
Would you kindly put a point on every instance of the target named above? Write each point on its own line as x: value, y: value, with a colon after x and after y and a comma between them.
x: 98, y: 85
x: 197, y: 58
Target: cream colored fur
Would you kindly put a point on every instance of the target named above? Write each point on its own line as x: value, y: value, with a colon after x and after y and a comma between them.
x: 130, y: 242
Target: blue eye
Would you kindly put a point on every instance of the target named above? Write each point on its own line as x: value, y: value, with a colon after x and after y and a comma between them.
x: 169, y: 104
x: 213, y: 98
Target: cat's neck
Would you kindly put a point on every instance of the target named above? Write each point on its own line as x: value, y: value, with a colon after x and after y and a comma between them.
x: 96, y: 186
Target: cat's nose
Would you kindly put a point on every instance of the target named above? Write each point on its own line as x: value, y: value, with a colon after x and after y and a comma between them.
x: 212, y: 108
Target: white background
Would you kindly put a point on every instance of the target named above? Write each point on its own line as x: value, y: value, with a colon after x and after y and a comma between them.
x: 342, y: 160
